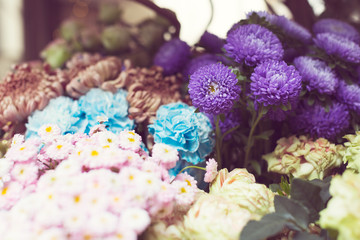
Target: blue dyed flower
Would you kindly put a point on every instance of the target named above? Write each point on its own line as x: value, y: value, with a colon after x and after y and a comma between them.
x: 179, y: 126
x: 98, y: 102
x: 213, y: 89
x: 329, y: 25
x: 253, y: 44
x: 211, y: 42
x: 339, y: 46
x: 172, y: 56
x: 349, y: 95
x: 317, y: 122
x: 62, y: 111
x: 317, y: 75
x: 274, y: 83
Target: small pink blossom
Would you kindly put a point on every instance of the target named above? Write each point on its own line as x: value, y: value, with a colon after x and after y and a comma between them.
x: 211, y: 170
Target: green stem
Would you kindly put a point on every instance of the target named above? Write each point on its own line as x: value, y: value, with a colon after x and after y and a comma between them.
x: 228, y: 132
x: 187, y: 167
x: 218, y: 141
x: 249, y: 143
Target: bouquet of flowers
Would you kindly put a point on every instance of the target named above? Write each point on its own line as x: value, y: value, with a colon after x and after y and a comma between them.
x: 257, y: 133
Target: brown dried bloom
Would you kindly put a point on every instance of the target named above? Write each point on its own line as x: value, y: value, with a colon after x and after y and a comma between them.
x: 29, y: 87
x: 79, y: 62
x: 93, y: 76
x: 147, y: 89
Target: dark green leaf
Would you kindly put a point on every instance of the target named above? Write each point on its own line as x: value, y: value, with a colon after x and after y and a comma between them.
x: 265, y: 135
x: 307, y: 236
x: 256, y: 166
x: 308, y: 194
x: 197, y: 110
x: 268, y: 226
x: 293, y: 211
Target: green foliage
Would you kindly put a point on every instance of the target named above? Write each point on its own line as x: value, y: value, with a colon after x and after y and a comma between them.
x: 307, y: 199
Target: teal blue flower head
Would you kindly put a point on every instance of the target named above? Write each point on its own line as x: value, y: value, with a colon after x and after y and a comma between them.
x: 179, y: 126
x: 97, y: 103
x: 62, y: 111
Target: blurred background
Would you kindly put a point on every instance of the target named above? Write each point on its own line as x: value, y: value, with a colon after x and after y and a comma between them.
x: 27, y: 26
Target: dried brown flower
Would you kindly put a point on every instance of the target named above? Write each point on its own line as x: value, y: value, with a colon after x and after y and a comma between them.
x: 27, y: 88
x: 147, y: 89
x: 93, y: 76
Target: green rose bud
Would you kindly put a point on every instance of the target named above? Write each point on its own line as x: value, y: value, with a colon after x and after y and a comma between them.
x: 352, y: 152
x: 214, y: 217
x: 70, y: 29
x: 342, y: 213
x: 115, y: 39
x: 109, y: 13
x: 304, y: 158
x: 239, y: 187
x: 56, y: 53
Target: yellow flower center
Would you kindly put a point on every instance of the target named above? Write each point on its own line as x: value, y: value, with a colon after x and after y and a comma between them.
x: 188, y: 182
x: 77, y: 198
x: 48, y: 129
x: 131, y: 139
x: 59, y: 147
x: 4, y: 191
x: 183, y: 190
x: 94, y: 153
x: 22, y: 148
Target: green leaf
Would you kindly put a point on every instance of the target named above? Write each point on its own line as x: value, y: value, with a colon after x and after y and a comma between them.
x: 197, y: 110
x: 268, y: 226
x: 311, y: 101
x: 256, y: 166
x: 295, y: 212
x: 307, y: 236
x: 309, y: 193
x: 265, y: 135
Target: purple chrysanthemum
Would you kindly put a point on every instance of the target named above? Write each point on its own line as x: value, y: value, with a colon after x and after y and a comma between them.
x: 274, y: 83
x: 211, y: 42
x: 172, y: 56
x: 213, y: 89
x: 232, y: 119
x: 329, y: 25
x: 291, y: 28
x: 317, y: 75
x: 349, y: 95
x: 314, y: 120
x: 340, y: 46
x: 253, y: 44
x: 200, y: 61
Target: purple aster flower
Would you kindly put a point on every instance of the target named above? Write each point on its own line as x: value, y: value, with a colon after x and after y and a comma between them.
x: 329, y: 25
x: 172, y: 56
x: 213, y: 89
x: 314, y: 120
x: 340, y: 46
x: 317, y: 75
x: 349, y: 95
x: 253, y: 44
x: 291, y: 28
x: 232, y: 119
x: 201, y: 61
x: 274, y: 83
x: 211, y: 42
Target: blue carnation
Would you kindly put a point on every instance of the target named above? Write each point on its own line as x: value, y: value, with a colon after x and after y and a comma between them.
x: 179, y: 126
x: 62, y: 111
x: 98, y: 102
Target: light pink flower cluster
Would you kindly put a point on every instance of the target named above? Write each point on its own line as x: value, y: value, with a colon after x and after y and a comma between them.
x: 76, y: 186
x: 211, y: 170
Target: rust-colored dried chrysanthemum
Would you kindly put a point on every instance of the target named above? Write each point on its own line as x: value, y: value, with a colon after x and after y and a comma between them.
x: 27, y: 88
x: 147, y: 89
x: 79, y: 62
x: 93, y: 76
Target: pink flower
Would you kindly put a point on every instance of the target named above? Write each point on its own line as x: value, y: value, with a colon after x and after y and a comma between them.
x: 167, y: 155
x: 48, y: 131
x: 211, y: 170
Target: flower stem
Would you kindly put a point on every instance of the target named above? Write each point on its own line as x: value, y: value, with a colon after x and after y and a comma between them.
x: 187, y: 167
x: 218, y: 141
x: 250, y: 140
